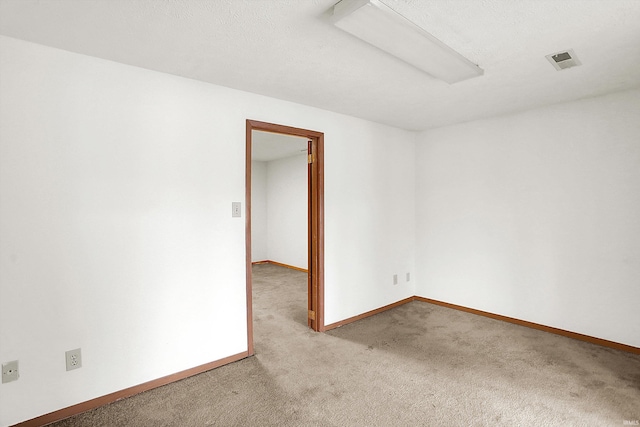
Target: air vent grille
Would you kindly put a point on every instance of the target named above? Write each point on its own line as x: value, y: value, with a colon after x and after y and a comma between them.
x: 564, y: 59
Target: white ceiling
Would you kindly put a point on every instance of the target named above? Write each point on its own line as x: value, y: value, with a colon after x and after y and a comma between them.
x: 287, y: 49
x: 267, y: 146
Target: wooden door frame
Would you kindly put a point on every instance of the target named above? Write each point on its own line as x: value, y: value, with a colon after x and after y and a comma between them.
x: 315, y: 221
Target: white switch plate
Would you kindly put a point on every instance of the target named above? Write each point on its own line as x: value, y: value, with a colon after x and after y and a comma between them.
x: 236, y: 209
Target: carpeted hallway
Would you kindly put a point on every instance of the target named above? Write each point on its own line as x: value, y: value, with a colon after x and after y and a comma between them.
x: 415, y: 365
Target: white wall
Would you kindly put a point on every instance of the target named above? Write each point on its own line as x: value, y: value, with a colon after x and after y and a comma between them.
x: 116, y: 186
x: 259, y: 226
x: 116, y: 233
x: 537, y: 216
x: 279, y: 211
x: 287, y: 193
x: 370, y: 208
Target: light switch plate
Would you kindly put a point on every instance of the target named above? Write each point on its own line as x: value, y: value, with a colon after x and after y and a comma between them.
x: 236, y: 209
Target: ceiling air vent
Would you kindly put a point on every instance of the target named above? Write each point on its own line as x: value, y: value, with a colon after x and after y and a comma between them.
x: 564, y: 59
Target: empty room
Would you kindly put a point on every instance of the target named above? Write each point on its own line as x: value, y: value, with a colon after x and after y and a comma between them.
x: 283, y: 212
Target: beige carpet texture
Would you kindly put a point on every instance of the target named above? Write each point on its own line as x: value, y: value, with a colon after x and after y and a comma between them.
x: 415, y: 365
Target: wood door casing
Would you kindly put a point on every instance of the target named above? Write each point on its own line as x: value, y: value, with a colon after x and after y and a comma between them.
x: 315, y: 221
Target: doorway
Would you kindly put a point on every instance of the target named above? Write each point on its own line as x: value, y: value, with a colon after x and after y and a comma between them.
x: 315, y: 221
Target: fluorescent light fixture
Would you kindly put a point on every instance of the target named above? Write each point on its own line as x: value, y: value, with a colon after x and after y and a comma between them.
x: 379, y: 25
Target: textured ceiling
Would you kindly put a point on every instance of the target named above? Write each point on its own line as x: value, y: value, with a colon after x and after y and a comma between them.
x: 287, y: 49
x: 267, y: 146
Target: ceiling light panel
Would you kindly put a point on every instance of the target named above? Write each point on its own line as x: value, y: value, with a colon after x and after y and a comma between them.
x: 381, y: 26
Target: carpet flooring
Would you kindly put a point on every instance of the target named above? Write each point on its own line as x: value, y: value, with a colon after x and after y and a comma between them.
x: 415, y: 365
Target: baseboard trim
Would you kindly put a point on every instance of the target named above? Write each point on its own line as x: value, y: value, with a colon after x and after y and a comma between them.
x: 70, y: 411
x: 281, y: 265
x: 557, y: 331
x: 367, y: 314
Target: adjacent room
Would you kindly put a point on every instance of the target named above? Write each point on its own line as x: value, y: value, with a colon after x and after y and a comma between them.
x: 450, y: 234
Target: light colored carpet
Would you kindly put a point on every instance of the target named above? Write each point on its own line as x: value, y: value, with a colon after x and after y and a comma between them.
x: 415, y: 365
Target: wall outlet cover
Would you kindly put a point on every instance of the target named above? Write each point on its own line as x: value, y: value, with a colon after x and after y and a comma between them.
x: 74, y: 359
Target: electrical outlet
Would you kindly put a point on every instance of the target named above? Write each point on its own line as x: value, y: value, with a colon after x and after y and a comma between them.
x: 395, y: 279
x: 74, y: 359
x: 10, y: 372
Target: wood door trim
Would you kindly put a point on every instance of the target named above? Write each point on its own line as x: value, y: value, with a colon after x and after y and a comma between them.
x: 247, y: 234
x: 317, y: 219
x: 311, y: 315
x: 316, y: 233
